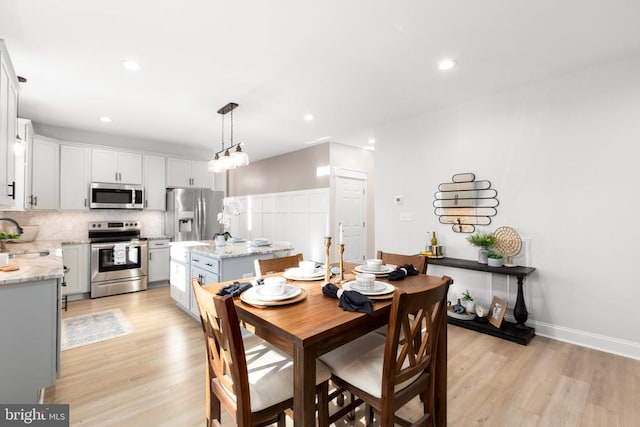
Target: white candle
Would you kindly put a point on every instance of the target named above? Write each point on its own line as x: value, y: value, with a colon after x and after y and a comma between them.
x: 327, y: 232
x: 341, y: 235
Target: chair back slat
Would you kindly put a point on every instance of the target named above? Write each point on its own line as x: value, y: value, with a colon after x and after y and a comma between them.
x: 410, y: 337
x: 276, y: 265
x: 418, y: 261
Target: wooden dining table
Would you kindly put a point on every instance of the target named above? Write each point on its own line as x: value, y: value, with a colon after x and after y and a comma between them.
x: 316, y: 325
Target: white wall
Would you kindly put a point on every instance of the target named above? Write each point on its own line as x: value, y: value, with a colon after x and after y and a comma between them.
x: 563, y: 155
x: 299, y: 217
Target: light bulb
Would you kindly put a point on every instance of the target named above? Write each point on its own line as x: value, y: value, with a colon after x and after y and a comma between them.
x: 240, y: 157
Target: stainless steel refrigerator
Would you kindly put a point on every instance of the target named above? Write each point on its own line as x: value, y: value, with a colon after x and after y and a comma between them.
x: 192, y: 214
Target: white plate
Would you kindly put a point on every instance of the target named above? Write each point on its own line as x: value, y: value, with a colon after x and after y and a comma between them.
x: 257, y: 292
x: 295, y: 273
x: 260, y: 243
x: 377, y: 286
x: 364, y: 269
x: 381, y: 288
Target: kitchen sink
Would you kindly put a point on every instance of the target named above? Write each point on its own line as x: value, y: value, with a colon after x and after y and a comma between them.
x: 35, y: 253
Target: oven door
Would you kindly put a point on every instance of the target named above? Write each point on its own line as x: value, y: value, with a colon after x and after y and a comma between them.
x: 118, y: 260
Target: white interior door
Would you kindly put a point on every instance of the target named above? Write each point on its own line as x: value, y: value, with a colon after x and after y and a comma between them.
x: 350, y: 211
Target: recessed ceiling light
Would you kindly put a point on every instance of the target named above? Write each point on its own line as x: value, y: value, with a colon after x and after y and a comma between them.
x: 131, y: 65
x: 446, y: 64
x: 372, y: 141
x: 308, y: 117
x: 105, y: 119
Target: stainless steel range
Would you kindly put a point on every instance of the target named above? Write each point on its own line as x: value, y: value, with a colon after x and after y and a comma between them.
x: 118, y: 258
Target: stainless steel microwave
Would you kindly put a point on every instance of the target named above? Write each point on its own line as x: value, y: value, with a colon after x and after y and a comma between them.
x: 116, y: 196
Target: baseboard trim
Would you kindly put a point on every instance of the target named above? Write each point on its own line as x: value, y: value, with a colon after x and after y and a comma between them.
x: 616, y: 346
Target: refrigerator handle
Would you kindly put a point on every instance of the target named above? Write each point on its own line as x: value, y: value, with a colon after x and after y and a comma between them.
x: 198, y: 218
x: 203, y: 220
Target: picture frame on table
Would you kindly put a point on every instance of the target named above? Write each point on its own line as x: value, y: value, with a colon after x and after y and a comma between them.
x: 497, y: 311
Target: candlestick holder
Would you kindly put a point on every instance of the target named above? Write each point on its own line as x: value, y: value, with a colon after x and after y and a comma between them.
x: 327, y: 267
x: 341, y: 252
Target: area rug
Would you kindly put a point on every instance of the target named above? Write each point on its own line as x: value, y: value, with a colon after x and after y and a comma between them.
x: 94, y: 327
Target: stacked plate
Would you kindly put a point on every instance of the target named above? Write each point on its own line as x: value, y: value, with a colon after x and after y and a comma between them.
x: 259, y: 297
x: 258, y: 292
x: 297, y: 274
x: 260, y: 242
x: 378, y: 288
x: 384, y: 270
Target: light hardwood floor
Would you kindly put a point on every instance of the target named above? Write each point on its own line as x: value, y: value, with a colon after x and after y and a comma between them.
x: 155, y: 376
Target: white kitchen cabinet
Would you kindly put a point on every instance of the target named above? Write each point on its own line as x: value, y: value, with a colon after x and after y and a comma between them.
x: 188, y: 174
x: 76, y: 258
x: 116, y: 166
x: 206, y: 269
x: 8, y: 128
x: 154, y: 178
x: 23, y: 180
x: 179, y: 282
x: 75, y: 177
x: 200, y: 175
x: 159, y: 260
x: 30, y: 337
x: 43, y: 169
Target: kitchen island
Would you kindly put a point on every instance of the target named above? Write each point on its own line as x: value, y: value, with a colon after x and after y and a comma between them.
x: 30, y: 321
x: 212, y: 264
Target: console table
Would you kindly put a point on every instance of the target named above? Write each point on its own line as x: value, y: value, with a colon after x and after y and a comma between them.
x: 516, y: 332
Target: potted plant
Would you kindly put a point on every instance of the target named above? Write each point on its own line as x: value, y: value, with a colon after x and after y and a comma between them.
x: 4, y: 236
x: 483, y: 241
x: 467, y: 301
x: 494, y: 259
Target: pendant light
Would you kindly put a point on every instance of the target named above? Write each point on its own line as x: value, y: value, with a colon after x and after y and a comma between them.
x: 228, y: 158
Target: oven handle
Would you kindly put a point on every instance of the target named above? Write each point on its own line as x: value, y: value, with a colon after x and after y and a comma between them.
x: 111, y: 245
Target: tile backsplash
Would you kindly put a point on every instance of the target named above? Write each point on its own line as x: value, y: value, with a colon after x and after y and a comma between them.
x: 72, y: 226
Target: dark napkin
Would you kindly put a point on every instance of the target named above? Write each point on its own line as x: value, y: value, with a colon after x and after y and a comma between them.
x: 402, y: 272
x: 349, y: 300
x: 236, y: 288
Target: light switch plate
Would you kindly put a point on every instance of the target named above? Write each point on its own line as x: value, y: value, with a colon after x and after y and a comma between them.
x: 398, y: 200
x: 406, y: 216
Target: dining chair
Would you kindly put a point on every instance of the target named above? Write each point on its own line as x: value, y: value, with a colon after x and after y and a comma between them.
x: 276, y: 265
x: 250, y: 377
x: 387, y: 372
x: 419, y: 262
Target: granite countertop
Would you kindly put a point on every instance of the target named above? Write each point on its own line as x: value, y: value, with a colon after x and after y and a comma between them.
x: 234, y: 250
x: 34, y: 267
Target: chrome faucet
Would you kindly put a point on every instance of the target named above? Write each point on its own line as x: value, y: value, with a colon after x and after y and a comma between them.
x: 18, y: 228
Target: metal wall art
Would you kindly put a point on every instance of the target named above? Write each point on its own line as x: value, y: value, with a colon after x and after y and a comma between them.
x: 465, y: 203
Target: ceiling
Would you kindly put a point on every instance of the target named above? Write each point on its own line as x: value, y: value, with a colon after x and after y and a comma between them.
x: 354, y: 65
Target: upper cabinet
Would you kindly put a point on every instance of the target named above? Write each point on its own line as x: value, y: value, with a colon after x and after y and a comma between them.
x: 43, y: 191
x: 8, y: 128
x: 154, y: 176
x: 75, y: 177
x: 116, y: 166
x: 188, y: 174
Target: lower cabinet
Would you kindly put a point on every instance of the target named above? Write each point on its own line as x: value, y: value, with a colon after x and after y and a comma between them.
x: 30, y: 337
x: 179, y: 282
x: 159, y: 258
x: 76, y: 257
x: 209, y: 269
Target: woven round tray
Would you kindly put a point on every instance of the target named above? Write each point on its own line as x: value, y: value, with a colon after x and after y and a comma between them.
x: 508, y: 243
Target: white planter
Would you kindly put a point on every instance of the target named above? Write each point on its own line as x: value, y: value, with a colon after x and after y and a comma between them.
x: 482, y: 255
x: 470, y: 306
x: 493, y: 262
x: 220, y: 241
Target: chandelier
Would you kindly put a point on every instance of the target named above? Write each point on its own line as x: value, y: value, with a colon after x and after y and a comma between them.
x: 228, y: 158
